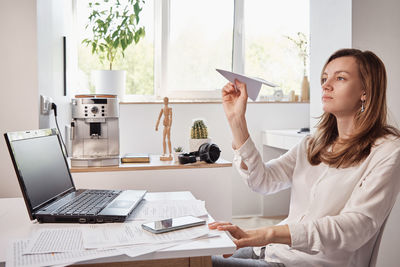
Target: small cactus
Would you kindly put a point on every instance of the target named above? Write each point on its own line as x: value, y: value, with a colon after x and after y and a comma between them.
x: 178, y: 149
x: 199, y: 130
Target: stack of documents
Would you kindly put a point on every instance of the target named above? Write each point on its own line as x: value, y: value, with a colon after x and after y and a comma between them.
x: 75, y: 243
x: 165, y: 209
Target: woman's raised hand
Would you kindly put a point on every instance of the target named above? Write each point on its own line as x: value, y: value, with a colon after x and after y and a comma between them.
x: 234, y: 100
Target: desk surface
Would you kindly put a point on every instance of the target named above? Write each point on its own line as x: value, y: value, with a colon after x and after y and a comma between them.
x: 283, y: 139
x: 15, y: 224
x: 287, y: 132
x: 155, y: 164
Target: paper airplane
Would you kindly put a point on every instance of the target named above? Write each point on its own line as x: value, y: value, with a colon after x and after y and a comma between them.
x: 253, y: 85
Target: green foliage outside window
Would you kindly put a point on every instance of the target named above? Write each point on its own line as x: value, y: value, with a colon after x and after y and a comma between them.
x: 115, y: 27
x: 275, y: 59
x: 138, y: 63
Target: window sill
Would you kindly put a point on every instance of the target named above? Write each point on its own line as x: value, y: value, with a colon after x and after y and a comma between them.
x: 205, y: 101
x: 197, y: 98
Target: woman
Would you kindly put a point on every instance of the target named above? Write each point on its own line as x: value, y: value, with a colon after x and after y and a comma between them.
x: 344, y: 179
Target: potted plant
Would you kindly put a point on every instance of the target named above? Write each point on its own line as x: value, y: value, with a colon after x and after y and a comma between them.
x: 115, y: 26
x: 177, y: 150
x: 301, y: 42
x: 198, y: 135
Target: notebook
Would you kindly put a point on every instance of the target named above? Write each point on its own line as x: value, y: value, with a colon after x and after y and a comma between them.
x: 48, y: 189
x: 135, y: 158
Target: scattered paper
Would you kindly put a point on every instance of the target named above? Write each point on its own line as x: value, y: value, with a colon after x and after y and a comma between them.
x: 253, y: 85
x: 159, y: 210
x: 55, y: 240
x: 138, y: 250
x: 100, y: 236
x: 15, y: 256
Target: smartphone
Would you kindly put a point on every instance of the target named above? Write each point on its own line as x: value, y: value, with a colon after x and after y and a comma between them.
x: 172, y: 224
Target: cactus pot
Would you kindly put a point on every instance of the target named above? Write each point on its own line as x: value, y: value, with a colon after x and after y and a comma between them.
x: 194, y: 144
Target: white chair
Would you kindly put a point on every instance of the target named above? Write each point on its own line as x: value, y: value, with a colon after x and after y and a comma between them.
x: 374, y: 255
x: 387, y: 242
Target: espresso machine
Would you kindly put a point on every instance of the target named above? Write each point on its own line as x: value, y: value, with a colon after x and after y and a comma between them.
x: 94, y: 131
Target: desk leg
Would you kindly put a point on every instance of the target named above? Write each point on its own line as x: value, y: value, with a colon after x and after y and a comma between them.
x: 204, y: 261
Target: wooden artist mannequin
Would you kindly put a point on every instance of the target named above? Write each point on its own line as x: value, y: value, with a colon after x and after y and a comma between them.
x: 167, y: 129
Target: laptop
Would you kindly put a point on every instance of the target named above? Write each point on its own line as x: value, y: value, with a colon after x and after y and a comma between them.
x: 48, y: 189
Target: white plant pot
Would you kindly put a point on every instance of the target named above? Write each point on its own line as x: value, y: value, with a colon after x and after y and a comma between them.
x: 109, y: 82
x: 194, y: 144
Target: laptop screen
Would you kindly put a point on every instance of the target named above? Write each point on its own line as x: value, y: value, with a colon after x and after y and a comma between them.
x: 42, y: 168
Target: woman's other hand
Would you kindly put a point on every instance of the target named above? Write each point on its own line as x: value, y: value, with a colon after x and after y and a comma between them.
x: 243, y: 238
x: 257, y: 237
x: 234, y: 100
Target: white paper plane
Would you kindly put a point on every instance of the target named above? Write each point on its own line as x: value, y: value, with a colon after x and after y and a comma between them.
x: 253, y: 85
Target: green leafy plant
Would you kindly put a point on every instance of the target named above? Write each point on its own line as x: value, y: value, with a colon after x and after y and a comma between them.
x: 301, y: 42
x: 115, y: 26
x: 199, y: 130
x: 178, y: 149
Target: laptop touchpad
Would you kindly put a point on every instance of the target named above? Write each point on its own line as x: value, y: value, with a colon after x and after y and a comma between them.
x: 121, y: 204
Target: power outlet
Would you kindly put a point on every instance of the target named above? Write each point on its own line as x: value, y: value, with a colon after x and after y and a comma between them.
x: 45, y: 104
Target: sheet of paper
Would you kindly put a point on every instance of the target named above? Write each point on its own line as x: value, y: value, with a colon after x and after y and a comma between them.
x: 15, y: 256
x: 159, y: 210
x: 105, y: 236
x: 55, y: 240
x: 138, y: 250
x: 253, y: 84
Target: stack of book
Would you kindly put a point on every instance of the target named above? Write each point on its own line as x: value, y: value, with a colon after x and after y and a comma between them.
x: 135, y: 158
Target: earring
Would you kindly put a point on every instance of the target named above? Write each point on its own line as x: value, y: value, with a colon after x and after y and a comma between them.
x: 362, y: 106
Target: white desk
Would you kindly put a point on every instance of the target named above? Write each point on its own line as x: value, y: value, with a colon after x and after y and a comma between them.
x: 15, y: 224
x: 283, y: 139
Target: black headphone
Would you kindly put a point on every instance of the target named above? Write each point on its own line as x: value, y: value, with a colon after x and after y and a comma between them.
x: 207, y: 152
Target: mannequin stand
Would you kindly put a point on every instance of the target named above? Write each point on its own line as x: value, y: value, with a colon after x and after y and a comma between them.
x: 166, y: 158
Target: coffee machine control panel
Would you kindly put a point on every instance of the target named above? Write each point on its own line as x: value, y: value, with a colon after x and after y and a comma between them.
x: 94, y: 108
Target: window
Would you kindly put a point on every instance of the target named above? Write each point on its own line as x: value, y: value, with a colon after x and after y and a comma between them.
x: 269, y: 54
x: 187, y: 39
x: 138, y: 60
x: 200, y: 40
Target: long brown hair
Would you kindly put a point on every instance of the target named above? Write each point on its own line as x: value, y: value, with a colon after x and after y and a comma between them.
x: 369, y: 125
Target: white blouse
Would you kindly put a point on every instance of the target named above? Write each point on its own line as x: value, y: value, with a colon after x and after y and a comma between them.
x: 335, y: 213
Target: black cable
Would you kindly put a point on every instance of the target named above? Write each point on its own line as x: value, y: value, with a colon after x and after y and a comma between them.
x: 54, y: 107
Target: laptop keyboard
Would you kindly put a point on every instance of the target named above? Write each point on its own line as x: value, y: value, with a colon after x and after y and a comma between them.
x: 89, y: 202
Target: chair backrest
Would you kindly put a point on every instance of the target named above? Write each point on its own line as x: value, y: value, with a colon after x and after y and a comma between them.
x: 389, y: 240
x: 375, y: 250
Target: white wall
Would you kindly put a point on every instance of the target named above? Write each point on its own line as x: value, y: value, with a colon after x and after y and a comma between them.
x: 137, y: 127
x: 376, y: 27
x: 19, y: 82
x: 32, y: 65
x: 330, y: 30
x: 54, y: 22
